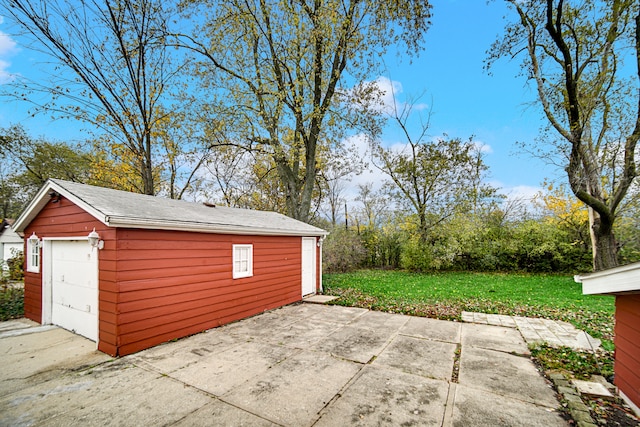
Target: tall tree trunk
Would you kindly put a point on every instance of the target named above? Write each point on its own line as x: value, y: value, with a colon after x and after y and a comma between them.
x: 604, y: 247
x: 147, y: 164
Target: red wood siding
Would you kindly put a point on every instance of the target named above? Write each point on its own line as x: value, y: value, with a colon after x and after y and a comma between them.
x: 64, y: 219
x: 173, y: 283
x: 627, y: 340
x: 156, y: 285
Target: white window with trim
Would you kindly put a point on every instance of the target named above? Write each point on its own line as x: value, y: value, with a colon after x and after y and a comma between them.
x: 33, y: 256
x: 242, y: 261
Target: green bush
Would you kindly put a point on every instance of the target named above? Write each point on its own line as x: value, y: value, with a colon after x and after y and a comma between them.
x: 11, y: 302
x: 417, y: 256
x: 343, y: 251
x: 383, y: 247
x: 16, y: 266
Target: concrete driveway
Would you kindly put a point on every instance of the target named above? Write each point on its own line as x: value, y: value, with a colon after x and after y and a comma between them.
x: 301, y: 365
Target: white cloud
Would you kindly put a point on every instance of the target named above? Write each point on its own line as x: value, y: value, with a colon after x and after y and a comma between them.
x: 389, y: 91
x: 359, y: 145
x: 388, y: 96
x: 7, y: 44
x: 391, y: 99
x: 5, y: 75
x: 522, y: 192
x: 484, y: 148
x: 7, y: 48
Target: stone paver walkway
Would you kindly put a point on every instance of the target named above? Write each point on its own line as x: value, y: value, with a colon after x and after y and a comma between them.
x: 533, y: 330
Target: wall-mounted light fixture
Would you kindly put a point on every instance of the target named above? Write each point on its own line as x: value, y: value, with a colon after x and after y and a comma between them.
x: 94, y: 240
x: 320, y: 240
x: 34, y: 240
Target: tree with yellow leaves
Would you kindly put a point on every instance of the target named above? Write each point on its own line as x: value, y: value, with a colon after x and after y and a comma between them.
x: 566, y: 212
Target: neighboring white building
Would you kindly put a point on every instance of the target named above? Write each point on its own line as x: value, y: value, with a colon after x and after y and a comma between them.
x: 10, y: 242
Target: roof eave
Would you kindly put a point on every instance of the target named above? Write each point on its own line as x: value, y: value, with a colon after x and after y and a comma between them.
x: 42, y: 198
x: 614, y: 281
x: 126, y: 222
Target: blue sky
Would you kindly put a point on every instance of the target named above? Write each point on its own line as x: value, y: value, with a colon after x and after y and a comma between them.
x: 464, y: 99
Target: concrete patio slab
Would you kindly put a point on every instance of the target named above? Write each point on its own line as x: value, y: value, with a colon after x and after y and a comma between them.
x: 258, y: 327
x: 295, y: 391
x: 16, y: 324
x: 339, y: 314
x: 156, y: 405
x: 431, y: 359
x: 379, y: 321
x: 221, y: 372
x: 8, y: 325
x: 302, y: 365
x: 218, y: 413
x: 169, y: 357
x: 319, y: 299
x: 474, y: 408
x: 27, y: 358
x: 300, y: 310
x: 355, y: 344
x: 44, y: 400
x: 433, y: 329
x: 505, y: 375
x: 303, y: 334
x: 493, y: 338
x: 386, y: 397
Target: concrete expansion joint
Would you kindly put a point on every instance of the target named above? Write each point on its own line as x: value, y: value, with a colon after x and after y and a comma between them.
x: 340, y: 392
x: 497, y: 350
x: 515, y: 353
x: 447, y: 419
x: 455, y: 372
x: 247, y: 410
x: 345, y: 359
x: 439, y: 340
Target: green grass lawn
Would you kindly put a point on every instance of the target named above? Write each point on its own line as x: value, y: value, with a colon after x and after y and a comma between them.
x: 446, y: 295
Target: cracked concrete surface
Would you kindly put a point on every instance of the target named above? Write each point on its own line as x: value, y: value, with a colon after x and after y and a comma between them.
x: 301, y: 365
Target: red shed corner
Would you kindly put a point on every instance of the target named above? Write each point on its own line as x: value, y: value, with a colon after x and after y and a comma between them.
x: 131, y: 271
x: 624, y: 283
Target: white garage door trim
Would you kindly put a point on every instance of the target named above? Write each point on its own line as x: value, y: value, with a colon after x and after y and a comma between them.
x: 308, y: 265
x: 91, y: 331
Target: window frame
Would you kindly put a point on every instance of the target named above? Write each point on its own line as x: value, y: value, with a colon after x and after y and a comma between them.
x: 34, y: 259
x: 238, y: 251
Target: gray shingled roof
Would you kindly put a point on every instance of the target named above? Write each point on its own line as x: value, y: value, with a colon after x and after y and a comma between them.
x: 123, y: 209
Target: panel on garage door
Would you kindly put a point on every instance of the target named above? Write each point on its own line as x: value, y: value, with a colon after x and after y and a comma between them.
x: 74, y: 287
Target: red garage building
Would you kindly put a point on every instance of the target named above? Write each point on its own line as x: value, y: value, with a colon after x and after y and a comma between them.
x: 624, y: 283
x: 131, y: 271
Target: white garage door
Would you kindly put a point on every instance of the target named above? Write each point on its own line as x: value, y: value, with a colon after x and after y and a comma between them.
x: 74, y: 287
